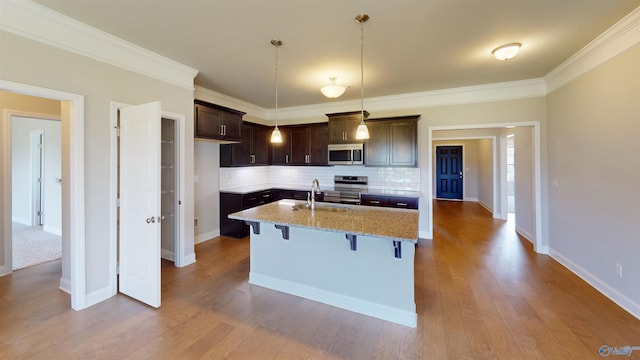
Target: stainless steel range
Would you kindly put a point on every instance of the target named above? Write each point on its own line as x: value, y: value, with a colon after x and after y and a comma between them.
x: 347, y: 189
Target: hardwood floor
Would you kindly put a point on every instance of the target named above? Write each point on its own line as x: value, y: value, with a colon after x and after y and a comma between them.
x: 481, y: 293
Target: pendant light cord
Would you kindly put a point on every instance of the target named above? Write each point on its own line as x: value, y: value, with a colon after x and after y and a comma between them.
x: 362, y: 70
x: 277, y: 45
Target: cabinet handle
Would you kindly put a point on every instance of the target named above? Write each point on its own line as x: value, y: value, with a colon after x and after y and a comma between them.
x: 344, y: 135
x: 221, y: 130
x: 266, y: 195
x: 286, y: 159
x: 253, y: 159
x: 374, y: 202
x: 224, y: 130
x: 401, y: 204
x: 307, y: 159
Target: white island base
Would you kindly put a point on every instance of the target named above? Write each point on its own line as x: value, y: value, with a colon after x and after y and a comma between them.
x: 320, y: 265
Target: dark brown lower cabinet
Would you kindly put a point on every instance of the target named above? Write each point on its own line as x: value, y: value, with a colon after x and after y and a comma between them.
x: 233, y: 202
x: 402, y: 202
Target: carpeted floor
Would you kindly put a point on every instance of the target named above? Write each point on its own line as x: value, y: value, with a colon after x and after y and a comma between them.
x: 32, y: 246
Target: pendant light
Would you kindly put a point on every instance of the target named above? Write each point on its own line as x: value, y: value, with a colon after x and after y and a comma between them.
x: 362, y: 132
x: 332, y: 90
x: 276, y: 136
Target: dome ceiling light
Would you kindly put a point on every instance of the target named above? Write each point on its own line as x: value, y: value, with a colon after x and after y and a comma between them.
x: 506, y: 51
x: 332, y: 90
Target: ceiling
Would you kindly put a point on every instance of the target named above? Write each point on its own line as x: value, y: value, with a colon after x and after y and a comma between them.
x: 409, y: 45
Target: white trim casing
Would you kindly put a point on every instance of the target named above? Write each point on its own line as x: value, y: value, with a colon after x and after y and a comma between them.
x: 73, y: 188
x: 540, y: 243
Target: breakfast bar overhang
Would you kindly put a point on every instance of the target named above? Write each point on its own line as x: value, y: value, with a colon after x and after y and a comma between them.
x: 358, y: 258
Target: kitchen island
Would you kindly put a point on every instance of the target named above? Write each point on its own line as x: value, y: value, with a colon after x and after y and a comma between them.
x: 357, y: 258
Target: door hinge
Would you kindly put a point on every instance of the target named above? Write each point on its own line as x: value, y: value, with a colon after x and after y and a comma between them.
x: 117, y: 130
x: 39, y: 212
x: 117, y: 202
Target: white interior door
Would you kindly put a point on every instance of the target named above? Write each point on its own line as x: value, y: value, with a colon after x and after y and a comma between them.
x: 140, y: 202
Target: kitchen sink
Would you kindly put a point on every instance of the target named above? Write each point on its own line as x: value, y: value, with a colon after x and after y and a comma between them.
x: 319, y: 207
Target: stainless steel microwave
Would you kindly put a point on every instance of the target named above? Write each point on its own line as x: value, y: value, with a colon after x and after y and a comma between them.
x: 346, y: 154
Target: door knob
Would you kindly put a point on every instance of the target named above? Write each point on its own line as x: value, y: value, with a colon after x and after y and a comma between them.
x: 151, y: 220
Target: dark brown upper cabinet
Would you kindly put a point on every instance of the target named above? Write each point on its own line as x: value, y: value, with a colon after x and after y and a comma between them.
x: 253, y: 149
x: 301, y: 145
x: 343, y: 126
x: 392, y: 142
x: 215, y: 122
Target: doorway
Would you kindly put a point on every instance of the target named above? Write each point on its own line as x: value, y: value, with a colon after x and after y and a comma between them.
x: 36, y: 191
x: 73, y: 223
x: 136, y: 136
x: 449, y: 177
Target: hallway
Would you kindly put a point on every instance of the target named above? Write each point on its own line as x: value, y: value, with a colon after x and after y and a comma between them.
x: 481, y: 293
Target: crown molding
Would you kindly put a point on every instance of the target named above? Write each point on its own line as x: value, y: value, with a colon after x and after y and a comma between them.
x: 463, y: 95
x: 252, y: 110
x: 618, y: 38
x: 39, y: 23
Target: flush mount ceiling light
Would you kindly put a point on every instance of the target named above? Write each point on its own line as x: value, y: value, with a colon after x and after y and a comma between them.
x: 276, y: 136
x: 362, y: 132
x: 506, y: 51
x: 332, y: 90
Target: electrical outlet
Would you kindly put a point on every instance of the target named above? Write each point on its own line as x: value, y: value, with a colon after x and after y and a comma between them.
x: 618, y: 270
x: 554, y: 182
x: 195, y: 222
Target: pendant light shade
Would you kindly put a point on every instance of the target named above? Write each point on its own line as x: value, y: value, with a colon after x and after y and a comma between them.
x: 276, y: 136
x: 362, y: 132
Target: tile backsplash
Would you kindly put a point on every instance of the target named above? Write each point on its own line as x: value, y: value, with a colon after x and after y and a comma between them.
x: 301, y: 176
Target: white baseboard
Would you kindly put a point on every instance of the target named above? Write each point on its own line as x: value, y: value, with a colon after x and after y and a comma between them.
x: 486, y: 206
x: 360, y: 306
x: 65, y: 285
x: 52, y: 230
x: 167, y: 254
x: 425, y: 234
x: 3, y: 268
x: 206, y: 236
x: 525, y: 234
x: 474, y: 199
x: 614, y: 295
x: 99, y: 295
x: 20, y: 220
x: 189, y: 259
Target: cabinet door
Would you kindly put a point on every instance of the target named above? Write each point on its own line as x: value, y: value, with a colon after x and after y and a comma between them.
x: 403, y: 141
x: 242, y: 150
x: 280, y: 152
x: 299, y: 138
x: 342, y: 129
x: 232, y: 125
x: 260, y: 141
x: 377, y: 146
x: 318, y: 144
x: 207, y: 124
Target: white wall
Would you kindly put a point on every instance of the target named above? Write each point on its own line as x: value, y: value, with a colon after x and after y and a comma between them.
x: 27, y: 61
x: 594, y: 212
x: 524, y: 182
x: 485, y: 173
x: 206, y: 190
x: 21, y: 172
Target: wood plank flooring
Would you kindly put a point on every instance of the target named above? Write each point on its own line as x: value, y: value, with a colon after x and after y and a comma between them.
x: 481, y: 293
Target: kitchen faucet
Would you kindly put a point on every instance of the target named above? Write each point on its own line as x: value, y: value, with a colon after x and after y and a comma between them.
x: 311, y: 196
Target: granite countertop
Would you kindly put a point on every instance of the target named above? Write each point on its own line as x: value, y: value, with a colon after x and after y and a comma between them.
x: 387, y: 223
